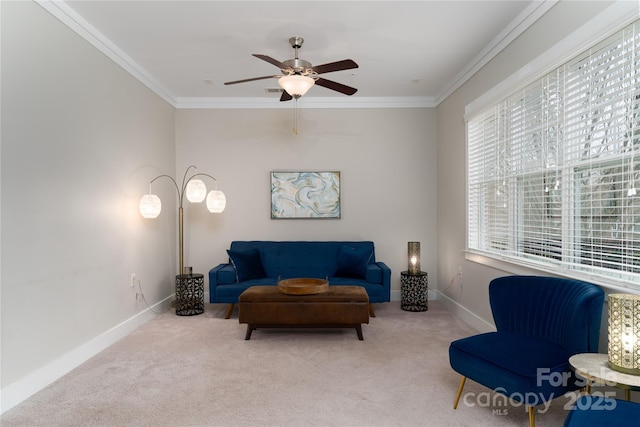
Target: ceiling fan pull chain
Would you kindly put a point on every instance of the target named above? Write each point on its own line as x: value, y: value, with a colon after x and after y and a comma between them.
x: 295, y: 116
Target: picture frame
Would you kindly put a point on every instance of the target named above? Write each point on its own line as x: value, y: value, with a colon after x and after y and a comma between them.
x: 305, y: 195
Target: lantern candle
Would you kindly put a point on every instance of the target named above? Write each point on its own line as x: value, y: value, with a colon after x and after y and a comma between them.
x: 624, y: 333
x: 414, y: 257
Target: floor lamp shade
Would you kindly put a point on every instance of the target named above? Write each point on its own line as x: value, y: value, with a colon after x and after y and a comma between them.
x: 414, y: 257
x: 216, y: 201
x: 150, y: 206
x: 196, y: 191
x: 624, y: 333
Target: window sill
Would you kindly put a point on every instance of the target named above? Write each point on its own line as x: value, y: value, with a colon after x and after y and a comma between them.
x: 510, y: 266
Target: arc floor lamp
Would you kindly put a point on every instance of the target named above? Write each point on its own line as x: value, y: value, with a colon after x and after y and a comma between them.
x: 196, y: 191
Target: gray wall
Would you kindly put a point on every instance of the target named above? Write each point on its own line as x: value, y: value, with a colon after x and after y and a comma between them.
x: 388, y: 178
x: 81, y: 138
x: 467, y: 293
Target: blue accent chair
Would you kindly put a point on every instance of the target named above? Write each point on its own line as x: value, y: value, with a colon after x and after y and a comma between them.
x: 540, y: 322
x: 598, y: 411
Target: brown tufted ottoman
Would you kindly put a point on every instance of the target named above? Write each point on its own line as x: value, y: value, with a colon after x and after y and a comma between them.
x: 339, y: 307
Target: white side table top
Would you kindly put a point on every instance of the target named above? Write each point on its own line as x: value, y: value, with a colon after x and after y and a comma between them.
x: 595, y: 367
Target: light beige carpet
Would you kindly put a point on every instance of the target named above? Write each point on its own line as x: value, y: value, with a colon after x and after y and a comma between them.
x: 199, y: 371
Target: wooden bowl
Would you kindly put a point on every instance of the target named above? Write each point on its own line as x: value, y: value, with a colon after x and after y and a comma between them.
x: 303, y: 286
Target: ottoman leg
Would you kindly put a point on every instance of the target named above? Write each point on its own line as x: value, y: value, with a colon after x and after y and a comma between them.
x: 249, y: 330
x: 359, y: 331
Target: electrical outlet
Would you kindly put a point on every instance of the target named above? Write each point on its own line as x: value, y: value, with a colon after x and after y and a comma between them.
x: 132, y: 282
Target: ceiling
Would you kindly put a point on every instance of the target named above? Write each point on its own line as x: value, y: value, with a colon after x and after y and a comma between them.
x: 186, y: 50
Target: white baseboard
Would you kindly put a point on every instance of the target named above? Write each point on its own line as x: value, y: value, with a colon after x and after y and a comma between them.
x: 465, y: 314
x: 458, y: 310
x: 15, y: 393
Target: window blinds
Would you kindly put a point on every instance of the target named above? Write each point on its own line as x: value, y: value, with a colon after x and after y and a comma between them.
x: 554, y: 168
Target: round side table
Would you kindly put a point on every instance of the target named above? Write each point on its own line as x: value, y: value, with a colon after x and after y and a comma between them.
x: 594, y: 367
x: 414, y: 291
x: 189, y: 294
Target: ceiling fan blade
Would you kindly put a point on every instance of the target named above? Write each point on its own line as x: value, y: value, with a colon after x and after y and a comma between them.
x: 252, y: 79
x: 285, y: 96
x: 346, y: 64
x: 270, y: 60
x: 338, y: 87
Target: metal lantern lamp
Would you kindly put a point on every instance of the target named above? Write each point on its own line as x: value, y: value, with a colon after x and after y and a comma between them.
x: 414, y: 257
x: 624, y: 333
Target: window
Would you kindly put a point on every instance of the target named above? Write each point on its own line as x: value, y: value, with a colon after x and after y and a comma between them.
x: 554, y: 169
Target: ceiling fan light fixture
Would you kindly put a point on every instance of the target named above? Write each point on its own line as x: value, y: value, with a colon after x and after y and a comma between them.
x: 295, y: 84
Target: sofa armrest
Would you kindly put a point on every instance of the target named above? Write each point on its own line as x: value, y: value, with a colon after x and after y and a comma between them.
x: 380, y: 273
x: 222, y: 274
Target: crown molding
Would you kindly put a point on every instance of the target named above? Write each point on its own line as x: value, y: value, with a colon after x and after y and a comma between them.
x: 84, y: 29
x: 612, y: 19
x: 305, y: 102
x: 519, y: 25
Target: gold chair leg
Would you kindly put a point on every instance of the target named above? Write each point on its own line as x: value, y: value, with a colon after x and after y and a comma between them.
x: 627, y: 394
x: 229, y: 311
x: 372, y: 313
x: 455, y: 404
x: 532, y: 417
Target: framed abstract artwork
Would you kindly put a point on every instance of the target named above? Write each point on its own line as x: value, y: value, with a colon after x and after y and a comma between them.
x: 304, y: 195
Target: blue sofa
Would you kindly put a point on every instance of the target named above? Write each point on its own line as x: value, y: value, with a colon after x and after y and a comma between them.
x: 259, y: 263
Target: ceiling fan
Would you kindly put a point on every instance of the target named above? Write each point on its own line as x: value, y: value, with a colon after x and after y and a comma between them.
x: 298, y: 75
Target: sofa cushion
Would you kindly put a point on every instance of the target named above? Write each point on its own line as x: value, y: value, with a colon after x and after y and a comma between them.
x: 353, y: 262
x: 248, y: 264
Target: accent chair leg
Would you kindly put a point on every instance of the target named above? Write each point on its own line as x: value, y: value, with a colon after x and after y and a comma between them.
x: 532, y: 417
x: 371, y: 312
x: 462, y: 381
x: 229, y: 311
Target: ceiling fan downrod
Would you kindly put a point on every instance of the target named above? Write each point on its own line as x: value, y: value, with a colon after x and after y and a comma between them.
x: 296, y: 43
